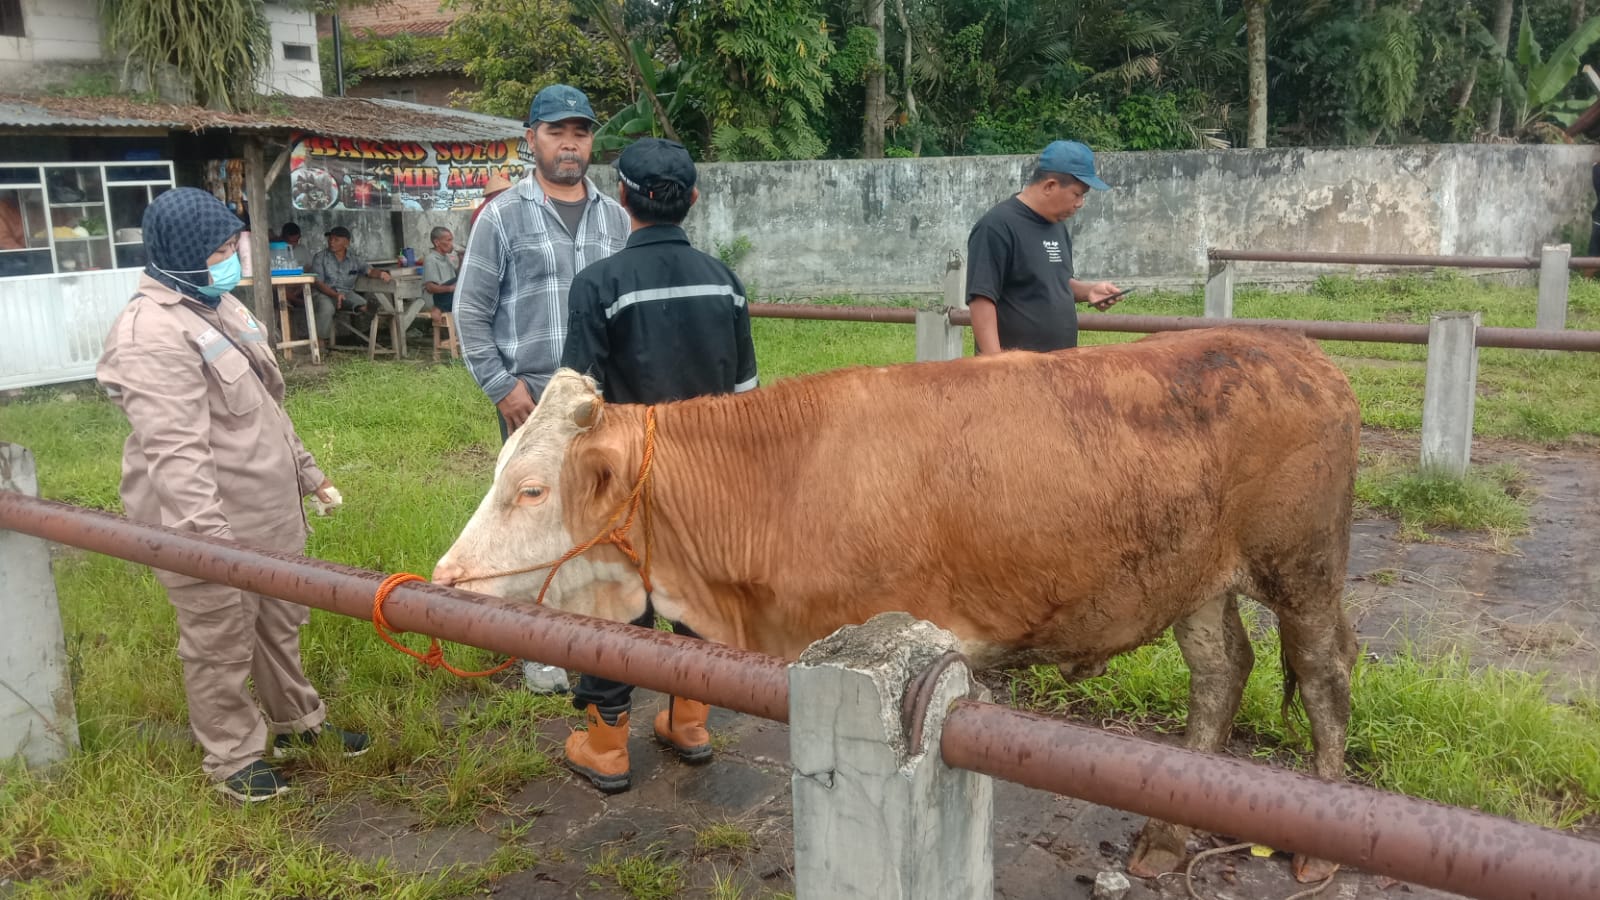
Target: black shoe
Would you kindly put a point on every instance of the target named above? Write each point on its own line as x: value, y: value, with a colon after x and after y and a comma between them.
x: 254, y: 783
x: 352, y: 743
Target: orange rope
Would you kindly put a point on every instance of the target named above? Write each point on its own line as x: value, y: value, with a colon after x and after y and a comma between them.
x: 434, y: 658
x: 636, y: 503
x: 618, y: 536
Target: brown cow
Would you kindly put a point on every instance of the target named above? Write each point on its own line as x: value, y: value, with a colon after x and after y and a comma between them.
x: 1045, y: 508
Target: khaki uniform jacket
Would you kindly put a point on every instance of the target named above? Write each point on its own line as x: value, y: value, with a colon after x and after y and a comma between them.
x: 212, y: 449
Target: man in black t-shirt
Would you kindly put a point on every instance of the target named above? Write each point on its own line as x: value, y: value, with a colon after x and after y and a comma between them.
x: 658, y: 321
x: 1020, y: 283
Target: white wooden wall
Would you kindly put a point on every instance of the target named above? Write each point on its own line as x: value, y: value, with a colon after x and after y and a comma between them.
x: 52, y: 327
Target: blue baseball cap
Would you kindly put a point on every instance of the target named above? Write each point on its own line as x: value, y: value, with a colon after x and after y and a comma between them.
x: 558, y: 103
x: 1072, y: 158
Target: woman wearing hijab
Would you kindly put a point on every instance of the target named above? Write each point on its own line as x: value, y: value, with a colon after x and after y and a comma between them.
x: 213, y: 452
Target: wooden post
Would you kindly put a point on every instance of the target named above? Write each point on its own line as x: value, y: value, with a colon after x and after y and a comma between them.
x: 255, y: 189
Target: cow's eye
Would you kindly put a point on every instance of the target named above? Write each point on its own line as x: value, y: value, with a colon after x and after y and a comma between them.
x: 531, y: 493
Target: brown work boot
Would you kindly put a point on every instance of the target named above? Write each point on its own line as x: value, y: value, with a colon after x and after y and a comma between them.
x: 601, y: 753
x: 682, y: 726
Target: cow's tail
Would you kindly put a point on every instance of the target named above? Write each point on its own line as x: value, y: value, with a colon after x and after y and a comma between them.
x: 1292, y: 708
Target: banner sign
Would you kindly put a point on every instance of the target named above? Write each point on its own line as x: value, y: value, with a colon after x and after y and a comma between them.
x: 348, y: 173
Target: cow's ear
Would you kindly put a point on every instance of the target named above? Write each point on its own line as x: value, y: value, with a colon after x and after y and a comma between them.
x: 586, y: 414
x: 598, y: 471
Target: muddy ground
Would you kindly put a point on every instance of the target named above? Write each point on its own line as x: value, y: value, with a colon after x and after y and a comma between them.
x: 1531, y: 602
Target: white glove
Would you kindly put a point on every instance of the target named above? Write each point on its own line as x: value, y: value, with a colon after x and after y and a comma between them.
x: 323, y: 508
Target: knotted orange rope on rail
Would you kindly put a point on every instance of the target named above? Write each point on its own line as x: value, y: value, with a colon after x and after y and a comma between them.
x: 635, y: 505
x: 434, y: 658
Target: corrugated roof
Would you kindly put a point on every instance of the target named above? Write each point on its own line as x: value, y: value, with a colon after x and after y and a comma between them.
x: 416, y: 69
x: 374, y: 119
x: 433, y: 28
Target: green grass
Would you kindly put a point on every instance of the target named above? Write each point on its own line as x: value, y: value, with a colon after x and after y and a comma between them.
x: 1490, y: 498
x: 411, y: 447
x: 647, y: 876
x: 1439, y: 728
x: 722, y: 836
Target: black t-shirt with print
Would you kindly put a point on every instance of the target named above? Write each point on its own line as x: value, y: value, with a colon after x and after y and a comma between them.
x: 1024, y: 264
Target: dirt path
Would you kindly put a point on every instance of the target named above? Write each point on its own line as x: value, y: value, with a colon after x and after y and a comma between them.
x: 1532, y: 603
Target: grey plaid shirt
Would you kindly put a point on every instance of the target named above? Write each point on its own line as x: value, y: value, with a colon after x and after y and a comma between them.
x: 511, y: 293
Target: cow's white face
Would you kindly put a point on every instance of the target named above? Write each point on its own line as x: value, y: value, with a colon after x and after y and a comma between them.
x: 521, y: 521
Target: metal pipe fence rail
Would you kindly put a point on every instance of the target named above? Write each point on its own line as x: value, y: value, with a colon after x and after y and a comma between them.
x: 1453, y: 341
x: 1414, y: 840
x: 1326, y: 257
x: 1377, y: 332
x: 1555, y: 265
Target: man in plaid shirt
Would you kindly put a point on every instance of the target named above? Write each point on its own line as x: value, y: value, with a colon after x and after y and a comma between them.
x: 511, y: 292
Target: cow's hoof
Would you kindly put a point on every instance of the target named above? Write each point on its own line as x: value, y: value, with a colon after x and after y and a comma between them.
x: 1159, y: 850
x: 1310, y: 870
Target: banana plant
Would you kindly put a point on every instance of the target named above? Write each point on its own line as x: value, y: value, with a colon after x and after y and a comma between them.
x: 662, y: 99
x: 1532, y: 82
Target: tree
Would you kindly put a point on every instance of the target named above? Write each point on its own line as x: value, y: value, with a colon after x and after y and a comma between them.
x: 762, y: 75
x: 1256, y: 40
x: 219, y: 48
x: 1502, y: 42
x: 872, y: 121
x: 513, y: 48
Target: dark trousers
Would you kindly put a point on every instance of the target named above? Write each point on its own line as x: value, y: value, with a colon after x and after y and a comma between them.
x: 613, y: 698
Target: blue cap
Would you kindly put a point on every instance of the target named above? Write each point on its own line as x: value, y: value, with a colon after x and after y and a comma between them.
x: 558, y: 103
x: 1072, y: 158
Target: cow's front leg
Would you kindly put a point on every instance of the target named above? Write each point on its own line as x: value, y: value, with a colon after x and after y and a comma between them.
x: 1217, y: 650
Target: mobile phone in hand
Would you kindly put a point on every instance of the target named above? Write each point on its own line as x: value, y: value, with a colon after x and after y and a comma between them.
x: 1105, y: 303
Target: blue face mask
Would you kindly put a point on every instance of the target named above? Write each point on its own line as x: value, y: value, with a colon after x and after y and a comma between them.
x: 225, y: 277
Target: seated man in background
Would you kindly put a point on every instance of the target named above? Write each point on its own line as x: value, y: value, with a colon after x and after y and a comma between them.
x: 336, y: 270
x: 439, y: 267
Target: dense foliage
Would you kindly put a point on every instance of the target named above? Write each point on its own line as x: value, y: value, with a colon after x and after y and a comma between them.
x: 793, y: 79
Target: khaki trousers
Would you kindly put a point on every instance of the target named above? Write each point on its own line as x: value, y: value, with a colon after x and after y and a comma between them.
x: 225, y: 637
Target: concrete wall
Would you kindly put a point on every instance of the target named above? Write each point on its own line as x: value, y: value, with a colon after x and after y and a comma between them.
x: 63, y: 41
x: 58, y: 31
x: 885, y: 227
x: 293, y: 25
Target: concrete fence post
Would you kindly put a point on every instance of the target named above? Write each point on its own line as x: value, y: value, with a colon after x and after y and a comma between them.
x: 38, y: 721
x: 937, y: 339
x: 1219, y: 290
x: 877, y: 813
x: 1554, y: 276
x: 1450, y: 393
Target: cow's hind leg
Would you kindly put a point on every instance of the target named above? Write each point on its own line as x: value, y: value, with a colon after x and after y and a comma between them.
x: 1217, y: 650
x: 1319, y: 650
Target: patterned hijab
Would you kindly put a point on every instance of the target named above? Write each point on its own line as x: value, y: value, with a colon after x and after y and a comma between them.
x: 182, y: 228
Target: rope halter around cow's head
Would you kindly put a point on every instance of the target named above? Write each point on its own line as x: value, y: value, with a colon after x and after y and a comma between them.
x: 636, y: 506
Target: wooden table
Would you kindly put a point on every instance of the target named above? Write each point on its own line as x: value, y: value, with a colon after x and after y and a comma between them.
x: 401, y: 297
x: 282, y: 284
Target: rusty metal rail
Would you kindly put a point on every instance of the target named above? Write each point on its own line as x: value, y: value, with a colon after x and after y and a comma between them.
x: 735, y: 679
x: 1393, y: 259
x: 1413, y: 840
x: 894, y: 315
x: 1378, y: 332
